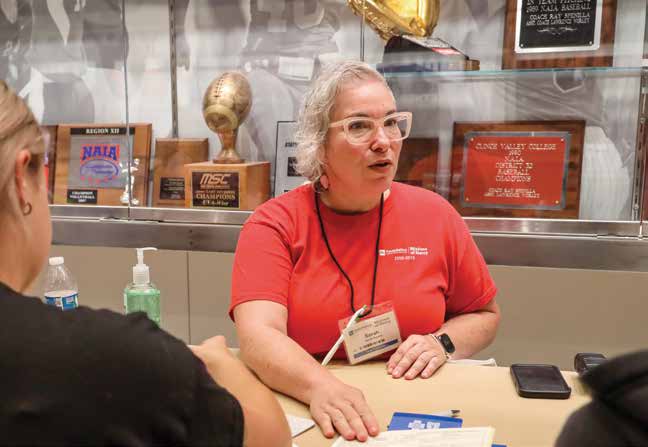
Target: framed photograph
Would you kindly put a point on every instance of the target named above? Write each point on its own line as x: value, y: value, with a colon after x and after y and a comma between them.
x: 559, y: 33
x: 517, y: 168
x: 286, y: 176
x: 92, y: 164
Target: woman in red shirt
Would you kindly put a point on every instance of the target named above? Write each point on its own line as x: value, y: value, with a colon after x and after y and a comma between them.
x: 354, y: 238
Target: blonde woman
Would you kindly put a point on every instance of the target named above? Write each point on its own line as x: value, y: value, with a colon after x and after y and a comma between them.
x: 312, y: 257
x: 96, y: 377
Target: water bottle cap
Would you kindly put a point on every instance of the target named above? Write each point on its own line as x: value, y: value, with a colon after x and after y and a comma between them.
x: 58, y: 260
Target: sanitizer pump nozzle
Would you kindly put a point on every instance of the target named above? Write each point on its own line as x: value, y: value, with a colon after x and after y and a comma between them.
x: 141, y: 274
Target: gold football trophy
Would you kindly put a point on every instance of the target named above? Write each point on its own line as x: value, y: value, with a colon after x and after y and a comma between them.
x: 390, y: 18
x: 406, y: 26
x: 228, y: 181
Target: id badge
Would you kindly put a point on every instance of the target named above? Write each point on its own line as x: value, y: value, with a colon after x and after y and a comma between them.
x: 372, y: 336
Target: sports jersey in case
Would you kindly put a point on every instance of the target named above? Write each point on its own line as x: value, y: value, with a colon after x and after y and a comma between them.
x: 290, y: 27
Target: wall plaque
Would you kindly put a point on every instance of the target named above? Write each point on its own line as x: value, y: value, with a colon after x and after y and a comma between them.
x: 559, y: 33
x: 517, y: 169
x: 171, y: 154
x: 95, y: 158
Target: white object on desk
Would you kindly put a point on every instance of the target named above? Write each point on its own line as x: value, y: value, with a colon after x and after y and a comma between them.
x: 441, y: 437
x: 488, y: 362
x: 298, y: 425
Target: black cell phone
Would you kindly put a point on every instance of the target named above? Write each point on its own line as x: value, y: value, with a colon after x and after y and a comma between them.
x: 587, y: 361
x: 539, y: 381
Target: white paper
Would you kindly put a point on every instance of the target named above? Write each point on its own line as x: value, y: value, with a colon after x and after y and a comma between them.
x: 442, y: 437
x: 298, y: 425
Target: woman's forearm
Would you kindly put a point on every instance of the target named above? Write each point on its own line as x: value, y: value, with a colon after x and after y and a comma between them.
x: 472, y: 332
x: 280, y: 362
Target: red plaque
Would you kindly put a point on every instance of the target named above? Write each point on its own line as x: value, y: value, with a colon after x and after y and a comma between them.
x: 518, y: 169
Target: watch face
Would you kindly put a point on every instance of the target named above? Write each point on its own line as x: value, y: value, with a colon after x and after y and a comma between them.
x: 447, y: 343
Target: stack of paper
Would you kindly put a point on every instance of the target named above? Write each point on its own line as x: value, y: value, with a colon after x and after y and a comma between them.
x: 442, y: 437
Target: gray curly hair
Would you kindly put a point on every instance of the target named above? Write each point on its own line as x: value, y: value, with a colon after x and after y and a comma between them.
x: 314, y: 117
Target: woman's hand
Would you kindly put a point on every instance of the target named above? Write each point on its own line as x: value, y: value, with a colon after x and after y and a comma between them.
x: 213, y: 352
x: 337, y: 406
x: 419, y: 354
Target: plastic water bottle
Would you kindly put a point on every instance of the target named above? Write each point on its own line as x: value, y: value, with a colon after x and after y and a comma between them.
x: 60, y: 287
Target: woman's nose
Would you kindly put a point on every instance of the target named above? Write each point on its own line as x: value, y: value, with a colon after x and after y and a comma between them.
x: 381, y: 140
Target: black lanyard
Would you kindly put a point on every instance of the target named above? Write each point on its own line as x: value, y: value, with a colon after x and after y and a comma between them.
x: 328, y: 246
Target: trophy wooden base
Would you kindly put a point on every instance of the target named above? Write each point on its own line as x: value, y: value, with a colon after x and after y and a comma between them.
x: 406, y: 54
x: 241, y: 186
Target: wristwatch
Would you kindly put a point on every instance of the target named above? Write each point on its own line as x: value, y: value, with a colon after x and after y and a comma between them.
x: 446, y: 343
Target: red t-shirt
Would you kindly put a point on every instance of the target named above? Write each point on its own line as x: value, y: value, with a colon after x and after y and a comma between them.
x: 429, y: 266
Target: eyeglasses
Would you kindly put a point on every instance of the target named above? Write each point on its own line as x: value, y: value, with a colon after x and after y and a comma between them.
x: 360, y: 130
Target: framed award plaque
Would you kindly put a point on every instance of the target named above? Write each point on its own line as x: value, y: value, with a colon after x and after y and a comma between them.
x: 417, y: 164
x: 559, y: 33
x: 517, y: 168
x: 92, y: 164
x: 171, y: 155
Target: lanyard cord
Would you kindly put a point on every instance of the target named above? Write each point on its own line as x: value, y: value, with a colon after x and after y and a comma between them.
x: 328, y: 246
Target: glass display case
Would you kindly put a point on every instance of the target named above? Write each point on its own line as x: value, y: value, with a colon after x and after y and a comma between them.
x: 529, y: 116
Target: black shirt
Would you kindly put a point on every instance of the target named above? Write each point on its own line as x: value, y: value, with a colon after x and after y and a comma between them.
x: 95, y: 377
x: 618, y: 413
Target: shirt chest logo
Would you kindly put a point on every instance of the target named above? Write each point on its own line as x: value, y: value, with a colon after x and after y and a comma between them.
x: 404, y: 253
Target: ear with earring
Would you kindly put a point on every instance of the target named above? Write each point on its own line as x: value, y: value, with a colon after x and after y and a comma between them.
x: 322, y: 184
x: 27, y: 209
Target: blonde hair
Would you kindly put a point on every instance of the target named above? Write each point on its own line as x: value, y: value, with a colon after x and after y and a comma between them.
x: 314, y: 117
x: 18, y: 130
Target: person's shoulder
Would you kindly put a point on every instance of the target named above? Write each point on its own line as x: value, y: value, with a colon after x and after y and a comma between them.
x: 283, y: 209
x: 421, y: 199
x: 91, y: 342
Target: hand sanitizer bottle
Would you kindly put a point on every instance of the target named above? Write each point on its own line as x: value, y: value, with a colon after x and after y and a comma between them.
x: 142, y: 295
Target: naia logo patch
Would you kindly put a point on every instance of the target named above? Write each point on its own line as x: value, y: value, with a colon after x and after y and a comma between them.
x: 99, y: 163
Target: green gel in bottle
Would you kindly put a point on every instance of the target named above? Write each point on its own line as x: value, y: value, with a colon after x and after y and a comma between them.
x: 142, y: 295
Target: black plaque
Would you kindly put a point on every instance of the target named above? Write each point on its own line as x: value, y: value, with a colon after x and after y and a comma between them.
x: 172, y: 188
x: 559, y: 33
x: 82, y: 196
x: 558, y: 23
x: 215, y: 189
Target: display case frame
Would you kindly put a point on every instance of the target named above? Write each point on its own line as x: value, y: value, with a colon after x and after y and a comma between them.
x: 560, y: 243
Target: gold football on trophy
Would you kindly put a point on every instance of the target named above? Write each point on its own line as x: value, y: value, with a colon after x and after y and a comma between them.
x: 391, y: 18
x: 226, y: 104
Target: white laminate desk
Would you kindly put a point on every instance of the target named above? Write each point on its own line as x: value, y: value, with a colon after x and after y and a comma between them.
x: 485, y: 395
